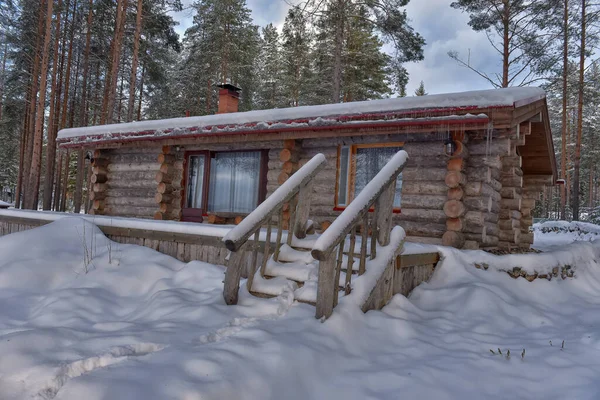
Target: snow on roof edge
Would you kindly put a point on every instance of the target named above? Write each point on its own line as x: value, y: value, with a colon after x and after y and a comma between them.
x: 506, y: 97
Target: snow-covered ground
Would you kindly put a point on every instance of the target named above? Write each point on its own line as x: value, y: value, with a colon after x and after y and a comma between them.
x: 85, y: 318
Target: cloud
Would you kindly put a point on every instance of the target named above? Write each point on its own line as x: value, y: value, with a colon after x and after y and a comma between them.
x: 444, y: 29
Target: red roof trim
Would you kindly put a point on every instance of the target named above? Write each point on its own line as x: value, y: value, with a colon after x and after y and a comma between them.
x: 246, y: 129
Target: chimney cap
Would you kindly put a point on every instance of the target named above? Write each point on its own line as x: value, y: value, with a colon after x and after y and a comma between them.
x: 229, y: 86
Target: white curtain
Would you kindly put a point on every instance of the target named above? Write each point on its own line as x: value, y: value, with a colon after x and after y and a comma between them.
x: 234, y: 181
x: 195, y: 181
x: 369, y: 162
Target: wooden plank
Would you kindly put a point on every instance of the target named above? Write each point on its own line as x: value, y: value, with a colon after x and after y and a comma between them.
x: 411, y: 260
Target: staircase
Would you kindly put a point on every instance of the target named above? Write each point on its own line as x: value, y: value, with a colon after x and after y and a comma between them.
x: 317, y: 270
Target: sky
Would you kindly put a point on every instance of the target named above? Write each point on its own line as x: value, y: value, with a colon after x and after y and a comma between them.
x: 444, y: 29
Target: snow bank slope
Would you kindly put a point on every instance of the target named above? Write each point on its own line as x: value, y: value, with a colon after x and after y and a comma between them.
x: 154, y: 328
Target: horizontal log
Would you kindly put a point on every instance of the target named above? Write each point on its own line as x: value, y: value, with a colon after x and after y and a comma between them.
x: 509, y: 224
x: 483, y: 240
x: 131, y: 192
x: 419, y: 161
x: 525, y: 211
x: 418, y: 174
x: 288, y: 155
x: 131, y: 176
x: 166, y: 158
x: 525, y: 224
x: 454, y: 179
x: 97, y: 195
x: 454, y: 209
x: 99, y: 187
x: 282, y: 177
x: 102, y: 178
x: 99, y: 170
x: 170, y: 169
x: 423, y: 229
x: 453, y: 239
x: 423, y: 187
x: 101, y: 162
x: 508, y: 214
x: 162, y: 177
x: 98, y: 204
x: 477, y: 189
x: 479, y: 203
x: 512, y: 161
x: 164, y: 188
x: 426, y: 202
x: 474, y: 218
x: 512, y: 181
x: 511, y: 192
x: 141, y: 158
x: 528, y: 203
x: 456, y: 193
x: 169, y: 208
x: 495, y: 184
x: 421, y: 215
x: 455, y: 224
x: 131, y: 167
x: 483, y: 161
x: 426, y: 149
x: 457, y: 164
x: 164, y: 198
x: 498, y: 146
x: 291, y: 144
x: 482, y: 174
x: 526, y: 238
x: 510, y: 204
x: 511, y: 236
x: 288, y: 167
x: 130, y: 201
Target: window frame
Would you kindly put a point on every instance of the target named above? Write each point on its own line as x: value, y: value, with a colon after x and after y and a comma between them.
x: 352, y: 172
x: 196, y: 214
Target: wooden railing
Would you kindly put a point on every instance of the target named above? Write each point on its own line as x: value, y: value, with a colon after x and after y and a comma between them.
x: 329, y: 249
x: 296, y: 192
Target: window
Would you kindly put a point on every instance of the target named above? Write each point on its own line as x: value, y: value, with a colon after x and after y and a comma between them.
x: 358, y: 165
x: 223, y: 182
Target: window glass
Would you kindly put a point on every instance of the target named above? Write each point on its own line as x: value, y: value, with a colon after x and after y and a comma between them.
x: 195, y: 181
x: 234, y: 182
x: 343, y: 183
x: 369, y: 161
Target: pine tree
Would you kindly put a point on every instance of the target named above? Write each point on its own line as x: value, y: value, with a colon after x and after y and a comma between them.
x: 523, y: 33
x: 420, y: 91
x: 270, y: 71
x: 388, y: 19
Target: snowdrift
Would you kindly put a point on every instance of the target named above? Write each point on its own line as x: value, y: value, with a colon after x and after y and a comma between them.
x: 140, y: 325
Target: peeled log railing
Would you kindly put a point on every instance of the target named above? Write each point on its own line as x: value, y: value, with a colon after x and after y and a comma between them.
x: 329, y: 248
x: 296, y: 193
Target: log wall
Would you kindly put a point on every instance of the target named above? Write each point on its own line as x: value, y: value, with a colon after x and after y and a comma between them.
x: 123, y: 182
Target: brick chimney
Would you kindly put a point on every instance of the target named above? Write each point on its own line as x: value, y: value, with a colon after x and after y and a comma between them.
x: 229, y: 98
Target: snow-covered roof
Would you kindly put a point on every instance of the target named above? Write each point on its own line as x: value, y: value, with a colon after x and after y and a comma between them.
x: 297, y: 117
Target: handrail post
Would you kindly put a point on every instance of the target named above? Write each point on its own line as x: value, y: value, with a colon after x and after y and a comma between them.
x: 233, y: 273
x: 325, y: 287
x: 385, y: 210
x: 303, y: 210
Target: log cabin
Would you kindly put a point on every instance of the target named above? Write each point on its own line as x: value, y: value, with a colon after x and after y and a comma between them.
x: 478, y: 162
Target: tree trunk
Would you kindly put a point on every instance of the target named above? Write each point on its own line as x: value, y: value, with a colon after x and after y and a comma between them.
x: 134, y: 62
x: 139, y: 110
x: 505, y: 42
x: 337, y: 60
x: 36, y: 159
x: 112, y: 75
x: 2, y: 78
x: 51, y: 146
x: 577, y: 165
x: 30, y: 123
x: 563, y: 158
